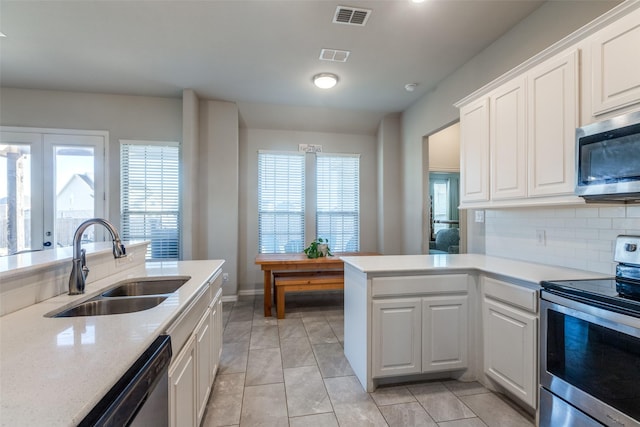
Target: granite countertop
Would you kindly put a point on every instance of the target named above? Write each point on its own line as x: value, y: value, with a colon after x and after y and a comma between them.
x: 54, y: 370
x: 527, y: 273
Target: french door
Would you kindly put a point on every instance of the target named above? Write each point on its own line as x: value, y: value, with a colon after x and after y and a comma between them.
x: 50, y: 181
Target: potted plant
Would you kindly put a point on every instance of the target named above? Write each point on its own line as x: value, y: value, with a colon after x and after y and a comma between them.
x: 318, y: 248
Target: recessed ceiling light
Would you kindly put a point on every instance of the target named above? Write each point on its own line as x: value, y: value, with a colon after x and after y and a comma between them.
x: 417, y: 1
x: 325, y: 80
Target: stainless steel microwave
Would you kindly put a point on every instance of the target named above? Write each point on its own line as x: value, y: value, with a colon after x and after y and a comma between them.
x: 608, y: 159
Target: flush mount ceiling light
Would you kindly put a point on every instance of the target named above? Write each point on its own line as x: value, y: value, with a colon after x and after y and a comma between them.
x: 410, y: 87
x: 325, y: 80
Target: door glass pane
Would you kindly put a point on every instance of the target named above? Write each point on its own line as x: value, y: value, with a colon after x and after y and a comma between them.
x: 74, y: 184
x: 15, y: 198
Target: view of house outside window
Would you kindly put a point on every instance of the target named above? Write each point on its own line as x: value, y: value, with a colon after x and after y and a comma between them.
x: 48, y: 186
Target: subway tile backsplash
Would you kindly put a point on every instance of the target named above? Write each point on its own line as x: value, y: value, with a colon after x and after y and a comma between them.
x: 575, y: 237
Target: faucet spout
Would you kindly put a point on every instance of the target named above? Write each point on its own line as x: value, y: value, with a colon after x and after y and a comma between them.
x: 79, y: 270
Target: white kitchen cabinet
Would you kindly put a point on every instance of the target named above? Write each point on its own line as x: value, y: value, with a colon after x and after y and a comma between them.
x: 396, y: 342
x: 426, y: 332
x: 196, y: 339
x: 182, y: 386
x: 508, y: 144
x: 552, y: 120
x: 217, y: 330
x: 615, y: 65
x: 444, y: 333
x: 204, y: 359
x: 509, y: 327
x: 474, y: 152
x: 529, y: 123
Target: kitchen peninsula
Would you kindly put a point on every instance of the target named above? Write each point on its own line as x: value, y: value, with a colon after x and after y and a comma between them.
x: 471, y: 317
x: 54, y: 370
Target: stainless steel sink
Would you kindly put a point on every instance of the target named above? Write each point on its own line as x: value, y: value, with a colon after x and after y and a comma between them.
x: 146, y: 286
x: 128, y: 296
x: 99, y: 306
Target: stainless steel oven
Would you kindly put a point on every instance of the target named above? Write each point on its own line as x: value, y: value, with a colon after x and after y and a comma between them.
x: 590, y: 347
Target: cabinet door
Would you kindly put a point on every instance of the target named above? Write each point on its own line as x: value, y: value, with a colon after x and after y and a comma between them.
x: 182, y: 386
x: 552, y: 120
x: 395, y: 337
x: 204, y: 353
x: 474, y: 152
x: 444, y: 333
x: 508, y: 141
x: 510, y: 349
x: 615, y: 65
x: 217, y: 328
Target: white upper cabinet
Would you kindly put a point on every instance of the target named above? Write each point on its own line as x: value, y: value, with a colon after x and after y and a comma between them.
x: 615, y: 65
x: 527, y: 128
x: 552, y: 121
x: 474, y: 151
x: 508, y: 143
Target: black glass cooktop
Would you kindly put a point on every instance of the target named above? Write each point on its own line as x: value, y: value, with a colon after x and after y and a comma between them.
x: 607, y: 293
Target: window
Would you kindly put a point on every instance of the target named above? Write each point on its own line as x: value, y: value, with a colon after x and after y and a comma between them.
x: 51, y: 180
x: 333, y: 191
x: 150, y: 197
x: 338, y: 201
x: 281, y: 185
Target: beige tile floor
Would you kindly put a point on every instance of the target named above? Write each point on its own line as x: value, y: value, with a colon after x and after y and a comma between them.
x: 292, y: 372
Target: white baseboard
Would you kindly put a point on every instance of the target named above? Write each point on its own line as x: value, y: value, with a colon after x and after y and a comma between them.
x: 251, y: 292
x: 243, y: 293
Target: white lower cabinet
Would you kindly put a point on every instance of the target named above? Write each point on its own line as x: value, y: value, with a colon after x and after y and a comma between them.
x: 510, y: 339
x: 423, y: 333
x: 182, y: 386
x: 197, y: 342
x: 444, y: 333
x: 204, y: 359
x: 396, y: 341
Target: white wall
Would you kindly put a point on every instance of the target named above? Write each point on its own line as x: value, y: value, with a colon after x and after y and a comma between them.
x: 252, y: 140
x: 444, y: 150
x: 218, y: 168
x: 545, y: 26
x: 389, y: 186
x: 123, y: 116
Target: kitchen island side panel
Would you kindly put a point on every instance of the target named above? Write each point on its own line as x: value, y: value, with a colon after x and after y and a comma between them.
x: 356, y: 322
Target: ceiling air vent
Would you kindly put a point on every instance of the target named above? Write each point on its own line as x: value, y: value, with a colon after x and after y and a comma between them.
x: 351, y: 16
x: 334, y: 55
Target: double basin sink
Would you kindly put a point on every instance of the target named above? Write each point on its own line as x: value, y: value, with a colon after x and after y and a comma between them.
x: 127, y: 296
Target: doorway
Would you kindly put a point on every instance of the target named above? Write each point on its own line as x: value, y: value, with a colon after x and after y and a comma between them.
x: 444, y: 224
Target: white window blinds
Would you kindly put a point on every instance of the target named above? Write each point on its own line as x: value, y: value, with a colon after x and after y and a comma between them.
x: 280, y: 202
x: 150, y: 196
x: 338, y: 201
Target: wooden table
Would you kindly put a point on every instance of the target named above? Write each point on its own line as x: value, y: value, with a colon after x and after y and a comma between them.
x: 298, y: 261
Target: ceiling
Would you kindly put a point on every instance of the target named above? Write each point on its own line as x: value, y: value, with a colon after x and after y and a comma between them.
x: 262, y: 51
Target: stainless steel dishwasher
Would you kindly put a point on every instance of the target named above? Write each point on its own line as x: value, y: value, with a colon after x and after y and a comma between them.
x: 141, y: 396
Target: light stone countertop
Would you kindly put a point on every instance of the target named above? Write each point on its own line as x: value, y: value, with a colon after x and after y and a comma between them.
x: 54, y: 370
x: 525, y: 273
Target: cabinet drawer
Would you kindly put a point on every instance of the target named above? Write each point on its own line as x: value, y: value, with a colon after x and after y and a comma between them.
x: 182, y: 328
x: 419, y: 285
x: 515, y: 295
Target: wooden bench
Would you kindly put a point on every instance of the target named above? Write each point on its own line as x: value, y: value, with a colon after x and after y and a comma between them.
x: 302, y: 281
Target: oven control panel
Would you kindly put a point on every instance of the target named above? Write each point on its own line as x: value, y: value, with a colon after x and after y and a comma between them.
x: 627, y: 250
